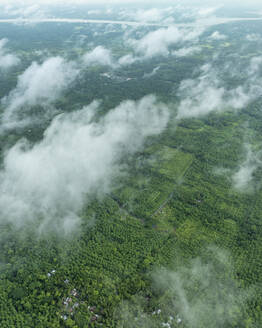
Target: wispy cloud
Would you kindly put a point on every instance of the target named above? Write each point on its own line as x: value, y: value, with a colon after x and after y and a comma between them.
x: 153, y: 44
x: 253, y: 37
x: 7, y: 59
x: 23, y: 10
x: 40, y: 84
x: 158, y: 43
x: 152, y: 15
x: 208, y: 93
x: 207, y: 11
x: 243, y: 177
x: 99, y: 55
x: 217, y: 36
x: 200, y: 293
x: 187, y: 51
x: 154, y: 71
x: 128, y: 59
x: 48, y: 183
x: 204, y: 293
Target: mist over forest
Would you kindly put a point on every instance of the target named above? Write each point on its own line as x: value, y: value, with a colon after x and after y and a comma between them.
x: 130, y: 164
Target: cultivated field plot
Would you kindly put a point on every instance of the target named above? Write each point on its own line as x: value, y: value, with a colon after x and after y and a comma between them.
x: 143, y: 195
x: 171, y: 162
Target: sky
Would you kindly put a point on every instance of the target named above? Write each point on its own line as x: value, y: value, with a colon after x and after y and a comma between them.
x: 156, y: 11
x: 123, y: 2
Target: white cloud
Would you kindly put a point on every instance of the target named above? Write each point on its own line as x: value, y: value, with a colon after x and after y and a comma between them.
x: 207, y: 93
x: 23, y: 10
x: 158, y: 42
x: 154, y: 71
x: 253, y: 37
x: 255, y: 66
x: 99, y: 55
x: 102, y: 56
x: 127, y: 60
x: 79, y: 2
x: 209, y: 6
x: 40, y: 84
x: 186, y: 51
x: 244, y: 176
x: 94, y: 12
x: 151, y: 15
x: 200, y: 293
x: 152, y: 44
x: 217, y: 36
x: 207, y: 11
x: 51, y: 180
x: 7, y: 60
x: 202, y: 98
x: 204, y: 293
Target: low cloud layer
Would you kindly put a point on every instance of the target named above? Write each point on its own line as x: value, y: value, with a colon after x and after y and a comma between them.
x: 205, y: 3
x: 43, y: 83
x: 183, y: 52
x: 207, y: 93
x: 40, y: 84
x: 217, y: 36
x: 253, y: 37
x: 100, y: 56
x: 51, y: 180
x: 7, y: 59
x: 158, y: 43
x: 202, y: 293
x: 153, y: 44
x: 22, y: 10
x: 152, y: 15
x: 207, y: 11
x: 242, y: 179
x: 154, y: 71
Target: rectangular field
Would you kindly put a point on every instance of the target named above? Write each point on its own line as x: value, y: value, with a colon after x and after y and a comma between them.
x: 145, y: 192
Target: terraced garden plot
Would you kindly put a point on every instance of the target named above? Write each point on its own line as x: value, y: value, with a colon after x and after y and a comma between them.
x: 143, y: 202
x: 193, y: 233
x: 143, y: 195
x: 170, y: 162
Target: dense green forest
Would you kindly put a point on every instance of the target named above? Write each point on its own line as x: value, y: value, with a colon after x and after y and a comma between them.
x: 173, y: 243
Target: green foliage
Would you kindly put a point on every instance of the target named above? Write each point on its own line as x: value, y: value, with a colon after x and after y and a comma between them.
x: 173, y: 204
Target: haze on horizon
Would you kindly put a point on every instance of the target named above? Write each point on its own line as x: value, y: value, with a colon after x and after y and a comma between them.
x: 19, y: 3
